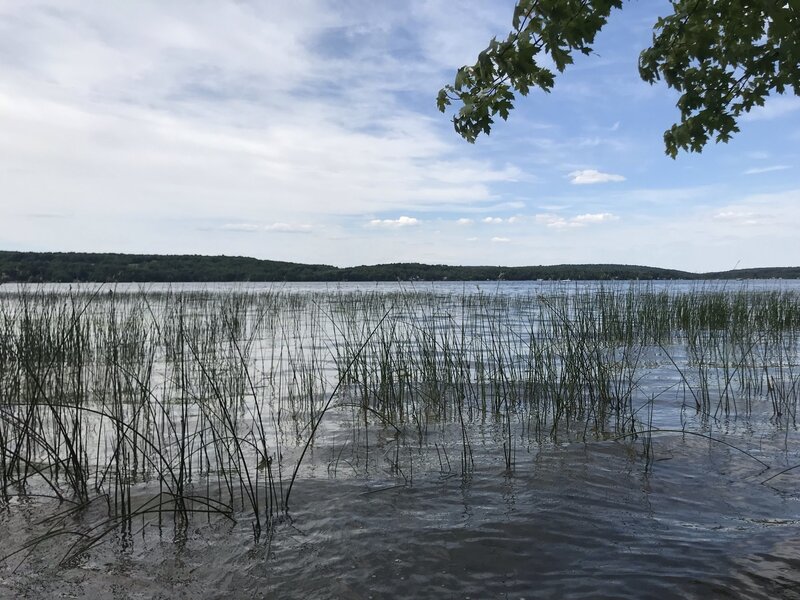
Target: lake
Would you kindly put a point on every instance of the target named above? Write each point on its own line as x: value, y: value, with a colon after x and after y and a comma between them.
x: 425, y: 440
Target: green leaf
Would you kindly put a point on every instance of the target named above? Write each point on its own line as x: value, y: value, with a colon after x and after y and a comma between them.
x: 723, y: 57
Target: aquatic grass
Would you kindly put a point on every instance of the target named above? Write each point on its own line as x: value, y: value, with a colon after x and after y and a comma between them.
x: 219, y: 400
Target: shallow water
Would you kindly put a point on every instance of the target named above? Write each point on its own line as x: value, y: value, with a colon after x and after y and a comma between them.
x: 573, y: 521
x: 376, y: 515
x: 510, y: 288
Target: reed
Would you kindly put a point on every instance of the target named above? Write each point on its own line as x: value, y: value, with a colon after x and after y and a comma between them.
x: 215, y: 402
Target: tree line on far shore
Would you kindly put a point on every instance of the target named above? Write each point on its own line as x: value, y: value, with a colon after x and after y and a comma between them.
x: 68, y: 267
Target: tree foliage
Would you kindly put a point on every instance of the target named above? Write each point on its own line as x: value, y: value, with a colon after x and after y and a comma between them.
x: 68, y: 267
x: 723, y: 56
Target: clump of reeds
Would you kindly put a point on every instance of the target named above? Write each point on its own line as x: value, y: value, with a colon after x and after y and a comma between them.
x: 211, y: 400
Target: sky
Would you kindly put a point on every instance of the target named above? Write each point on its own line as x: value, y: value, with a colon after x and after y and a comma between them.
x: 307, y: 131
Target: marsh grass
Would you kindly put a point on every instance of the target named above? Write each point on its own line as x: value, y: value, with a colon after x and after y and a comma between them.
x: 214, y: 402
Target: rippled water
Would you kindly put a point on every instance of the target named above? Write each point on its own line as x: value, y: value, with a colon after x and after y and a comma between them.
x: 574, y: 520
x: 698, y: 517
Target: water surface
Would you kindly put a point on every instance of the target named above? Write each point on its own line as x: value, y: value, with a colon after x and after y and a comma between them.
x: 381, y: 513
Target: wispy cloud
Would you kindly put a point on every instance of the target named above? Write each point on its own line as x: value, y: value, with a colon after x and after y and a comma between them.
x: 243, y: 227
x: 500, y: 240
x: 500, y: 220
x: 235, y: 125
x: 770, y: 214
x: 394, y: 223
x: 288, y: 228
x: 554, y: 221
x: 595, y: 218
x: 759, y: 170
x: 274, y: 227
x: 193, y: 116
x: 560, y: 222
x: 740, y: 217
x: 590, y: 176
x: 479, y: 207
x: 775, y: 107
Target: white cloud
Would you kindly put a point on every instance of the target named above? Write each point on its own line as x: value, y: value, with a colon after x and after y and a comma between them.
x: 394, y: 223
x: 275, y: 227
x: 553, y: 207
x: 288, y: 228
x: 727, y: 215
x: 500, y: 240
x: 190, y: 125
x: 740, y: 217
x: 759, y: 170
x: 267, y: 118
x: 590, y: 176
x: 555, y: 221
x: 499, y: 220
x: 594, y: 218
x: 774, y: 107
x: 244, y: 227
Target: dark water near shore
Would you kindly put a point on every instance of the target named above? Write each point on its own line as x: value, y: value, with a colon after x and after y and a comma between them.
x: 697, y: 518
x: 574, y: 521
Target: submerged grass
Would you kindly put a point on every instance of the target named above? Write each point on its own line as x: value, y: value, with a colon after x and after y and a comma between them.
x: 212, y: 401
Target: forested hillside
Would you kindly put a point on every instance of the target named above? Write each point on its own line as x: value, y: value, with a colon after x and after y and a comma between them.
x: 81, y: 267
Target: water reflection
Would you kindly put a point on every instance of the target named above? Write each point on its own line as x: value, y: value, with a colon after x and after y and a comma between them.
x: 576, y: 520
x: 588, y: 509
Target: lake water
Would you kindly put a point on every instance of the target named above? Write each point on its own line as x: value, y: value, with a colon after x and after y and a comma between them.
x: 444, y: 287
x: 694, y: 510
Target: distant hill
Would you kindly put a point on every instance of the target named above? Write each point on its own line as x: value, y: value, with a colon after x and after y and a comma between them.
x: 761, y: 273
x: 70, y: 267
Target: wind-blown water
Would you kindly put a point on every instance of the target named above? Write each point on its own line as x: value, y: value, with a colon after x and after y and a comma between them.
x: 502, y: 440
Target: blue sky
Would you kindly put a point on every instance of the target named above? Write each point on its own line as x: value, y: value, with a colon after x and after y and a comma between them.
x: 307, y: 131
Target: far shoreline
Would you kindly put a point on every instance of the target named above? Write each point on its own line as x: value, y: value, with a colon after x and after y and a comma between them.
x: 84, y: 267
